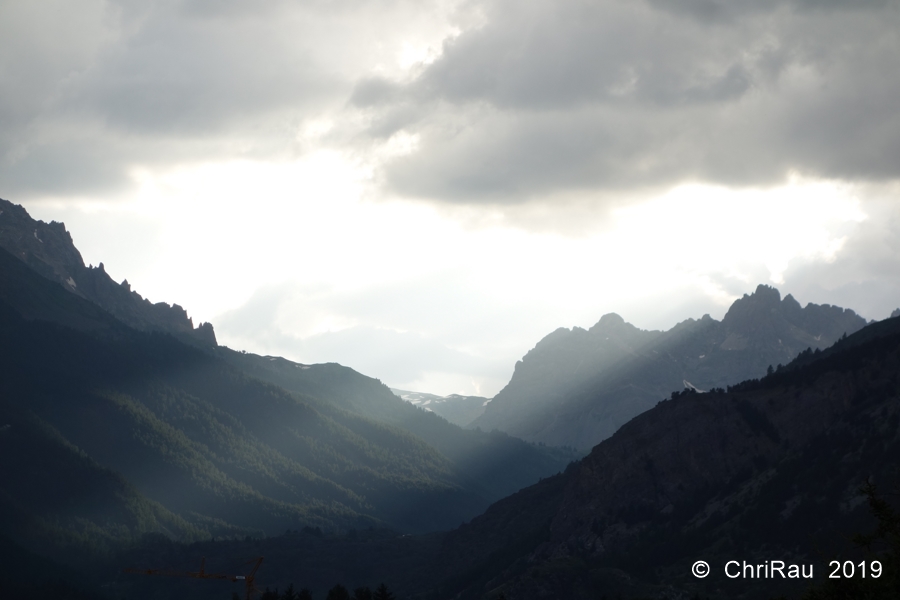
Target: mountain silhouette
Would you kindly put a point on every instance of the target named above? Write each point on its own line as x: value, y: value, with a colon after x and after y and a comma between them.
x: 110, y: 431
x: 577, y: 387
x: 49, y: 250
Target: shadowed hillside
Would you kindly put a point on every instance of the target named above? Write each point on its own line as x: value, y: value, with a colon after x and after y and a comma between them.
x: 172, y: 439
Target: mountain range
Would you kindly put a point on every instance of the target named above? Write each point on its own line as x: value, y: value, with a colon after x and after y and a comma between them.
x: 130, y: 438
x: 787, y: 467
x: 118, y: 422
x: 766, y: 469
x: 577, y: 387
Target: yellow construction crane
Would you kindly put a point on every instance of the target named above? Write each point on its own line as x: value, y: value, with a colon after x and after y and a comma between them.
x: 202, y: 574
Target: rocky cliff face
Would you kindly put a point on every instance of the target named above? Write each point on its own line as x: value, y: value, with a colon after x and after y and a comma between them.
x: 48, y: 249
x: 577, y: 387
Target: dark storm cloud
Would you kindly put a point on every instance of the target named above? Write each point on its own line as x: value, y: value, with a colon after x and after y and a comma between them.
x: 200, y: 75
x: 92, y: 89
x: 610, y: 96
x: 540, y: 97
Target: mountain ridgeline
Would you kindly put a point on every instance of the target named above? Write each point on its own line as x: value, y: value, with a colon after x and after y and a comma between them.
x: 49, y: 250
x: 112, y: 428
x: 771, y: 470
x: 456, y: 408
x: 577, y: 387
x: 777, y: 468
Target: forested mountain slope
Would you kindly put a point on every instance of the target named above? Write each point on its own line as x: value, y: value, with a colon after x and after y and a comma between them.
x: 495, y: 462
x: 204, y: 439
x: 166, y: 437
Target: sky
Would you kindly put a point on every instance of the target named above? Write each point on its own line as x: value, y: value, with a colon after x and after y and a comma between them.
x: 423, y: 190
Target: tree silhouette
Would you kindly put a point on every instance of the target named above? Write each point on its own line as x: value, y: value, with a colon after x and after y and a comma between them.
x: 362, y: 593
x: 338, y: 592
x: 269, y: 594
x: 882, y: 544
x: 383, y: 593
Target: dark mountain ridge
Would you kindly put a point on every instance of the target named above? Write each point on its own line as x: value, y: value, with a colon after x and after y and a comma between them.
x: 769, y: 469
x: 577, y: 387
x: 48, y: 249
x: 182, y: 440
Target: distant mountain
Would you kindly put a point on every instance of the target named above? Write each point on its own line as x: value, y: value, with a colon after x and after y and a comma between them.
x: 457, y: 409
x: 577, y: 387
x: 48, y: 249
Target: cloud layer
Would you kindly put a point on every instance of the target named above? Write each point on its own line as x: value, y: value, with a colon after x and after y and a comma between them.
x: 510, y: 100
x: 606, y: 96
x: 92, y: 91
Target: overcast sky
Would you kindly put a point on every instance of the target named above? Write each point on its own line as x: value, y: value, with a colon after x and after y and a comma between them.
x: 422, y: 190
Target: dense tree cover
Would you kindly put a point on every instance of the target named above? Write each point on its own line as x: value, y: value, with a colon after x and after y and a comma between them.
x: 496, y: 462
x: 229, y: 453
x: 288, y: 594
x: 25, y: 575
x: 881, y: 543
x: 169, y: 438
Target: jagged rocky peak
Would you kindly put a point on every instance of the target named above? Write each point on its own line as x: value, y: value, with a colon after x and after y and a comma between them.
x: 763, y: 319
x: 45, y: 247
x: 48, y: 248
x: 610, y: 327
x: 610, y: 322
x: 764, y: 298
x: 896, y: 313
x: 206, y: 334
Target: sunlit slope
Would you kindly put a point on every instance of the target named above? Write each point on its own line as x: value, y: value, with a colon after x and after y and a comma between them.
x: 209, y: 442
x: 495, y: 462
x: 61, y: 501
